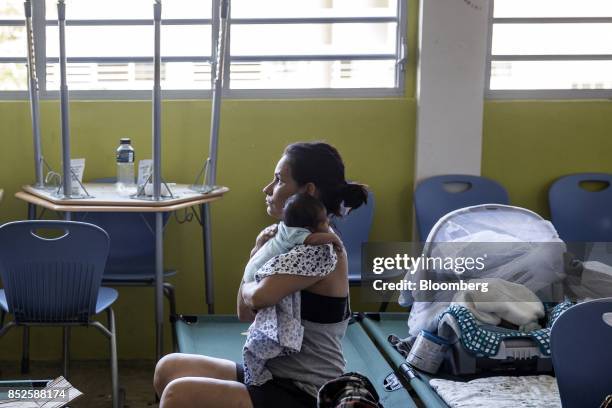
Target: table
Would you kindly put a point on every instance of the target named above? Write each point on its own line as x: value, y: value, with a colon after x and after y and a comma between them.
x: 104, y: 198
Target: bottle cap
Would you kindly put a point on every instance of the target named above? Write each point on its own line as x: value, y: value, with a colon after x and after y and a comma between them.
x: 125, y: 140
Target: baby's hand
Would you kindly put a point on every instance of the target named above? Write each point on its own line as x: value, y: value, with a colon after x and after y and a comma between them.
x: 265, y: 235
x: 321, y: 238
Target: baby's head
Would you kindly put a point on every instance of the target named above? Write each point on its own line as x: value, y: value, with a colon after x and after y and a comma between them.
x: 305, y: 211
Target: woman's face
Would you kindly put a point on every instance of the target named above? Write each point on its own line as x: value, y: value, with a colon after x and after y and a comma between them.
x: 282, y: 187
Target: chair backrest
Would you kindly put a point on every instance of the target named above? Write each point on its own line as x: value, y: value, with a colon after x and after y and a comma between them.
x: 132, y: 240
x: 52, y: 279
x: 354, y: 229
x: 132, y: 234
x: 581, y: 349
x: 578, y: 214
x: 439, y: 195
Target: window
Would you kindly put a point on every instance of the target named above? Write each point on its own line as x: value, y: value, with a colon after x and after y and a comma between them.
x: 13, y: 51
x: 329, y: 44
x: 105, y: 53
x: 276, y: 47
x: 551, y: 48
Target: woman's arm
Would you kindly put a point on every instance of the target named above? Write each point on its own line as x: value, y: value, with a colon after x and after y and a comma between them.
x: 245, y: 313
x: 270, y: 291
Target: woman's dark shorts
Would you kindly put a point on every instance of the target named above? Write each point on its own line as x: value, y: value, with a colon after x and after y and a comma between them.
x: 276, y: 393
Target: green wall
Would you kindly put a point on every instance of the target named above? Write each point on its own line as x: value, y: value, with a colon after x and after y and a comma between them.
x: 529, y: 144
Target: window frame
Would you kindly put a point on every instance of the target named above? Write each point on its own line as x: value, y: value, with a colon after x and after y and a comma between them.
x: 541, y: 93
x: 39, y: 24
x: 15, y: 60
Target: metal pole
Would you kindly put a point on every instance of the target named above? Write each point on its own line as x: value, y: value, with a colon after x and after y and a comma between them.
x: 159, y: 285
x: 66, y: 176
x: 159, y: 219
x: 34, y: 103
x: 31, y: 211
x: 66, y: 351
x: 211, y: 174
x: 208, y: 265
x: 157, y: 103
x: 217, y: 89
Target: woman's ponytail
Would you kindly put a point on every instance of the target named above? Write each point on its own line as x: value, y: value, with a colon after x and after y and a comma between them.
x: 354, y: 195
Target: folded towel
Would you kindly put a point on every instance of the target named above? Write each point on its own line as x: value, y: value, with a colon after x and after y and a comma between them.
x: 537, y: 391
x: 503, y: 300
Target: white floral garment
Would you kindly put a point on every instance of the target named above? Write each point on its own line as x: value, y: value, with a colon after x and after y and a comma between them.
x: 277, y: 330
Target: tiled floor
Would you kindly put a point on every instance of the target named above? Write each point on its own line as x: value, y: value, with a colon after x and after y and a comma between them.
x: 93, y: 379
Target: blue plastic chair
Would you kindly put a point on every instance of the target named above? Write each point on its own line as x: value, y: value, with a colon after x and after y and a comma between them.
x: 437, y: 196
x: 354, y: 229
x: 580, y: 215
x: 131, y: 258
x: 581, y: 349
x: 55, y: 281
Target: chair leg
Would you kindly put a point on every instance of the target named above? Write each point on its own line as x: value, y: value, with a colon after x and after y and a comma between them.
x: 385, y: 302
x: 25, y: 351
x: 170, y: 294
x: 66, y: 351
x: 113, y: 355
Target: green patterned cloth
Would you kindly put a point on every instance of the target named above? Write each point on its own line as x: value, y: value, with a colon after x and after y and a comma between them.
x: 483, y: 341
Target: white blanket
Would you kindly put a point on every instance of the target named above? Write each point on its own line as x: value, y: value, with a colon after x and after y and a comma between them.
x: 512, y: 302
x: 538, y: 391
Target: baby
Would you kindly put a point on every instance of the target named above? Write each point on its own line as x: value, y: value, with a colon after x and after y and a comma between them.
x: 304, y: 222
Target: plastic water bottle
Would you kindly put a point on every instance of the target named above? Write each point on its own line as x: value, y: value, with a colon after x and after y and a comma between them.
x: 125, y: 166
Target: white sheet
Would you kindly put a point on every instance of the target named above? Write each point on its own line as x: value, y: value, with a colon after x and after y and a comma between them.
x: 537, y: 391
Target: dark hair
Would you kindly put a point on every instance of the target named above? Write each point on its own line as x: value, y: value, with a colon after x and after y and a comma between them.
x: 320, y: 163
x: 303, y: 210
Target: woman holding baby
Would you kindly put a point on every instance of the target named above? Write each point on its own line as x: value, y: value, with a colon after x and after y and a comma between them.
x: 308, y: 188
